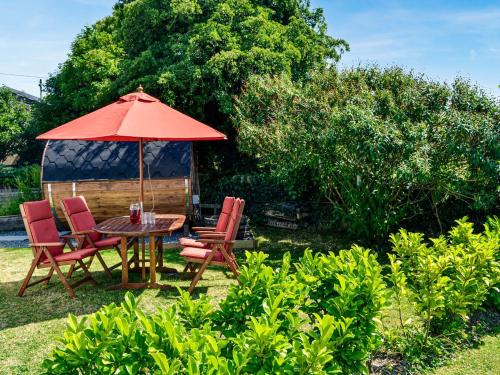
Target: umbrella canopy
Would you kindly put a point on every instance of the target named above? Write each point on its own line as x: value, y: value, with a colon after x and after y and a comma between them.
x: 134, y: 117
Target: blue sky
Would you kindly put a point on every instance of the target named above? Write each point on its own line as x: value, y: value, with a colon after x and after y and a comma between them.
x: 439, y: 38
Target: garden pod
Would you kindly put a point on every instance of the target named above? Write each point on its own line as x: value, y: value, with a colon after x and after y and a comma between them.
x: 107, y: 175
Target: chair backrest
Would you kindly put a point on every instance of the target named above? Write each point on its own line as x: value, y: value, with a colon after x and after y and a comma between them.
x: 223, y: 220
x: 40, y: 225
x: 234, y: 221
x: 79, y: 217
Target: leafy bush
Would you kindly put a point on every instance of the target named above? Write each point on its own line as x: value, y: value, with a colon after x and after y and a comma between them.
x: 273, y: 323
x: 382, y: 146
x: 448, y: 277
x: 258, y: 190
x: 27, y: 182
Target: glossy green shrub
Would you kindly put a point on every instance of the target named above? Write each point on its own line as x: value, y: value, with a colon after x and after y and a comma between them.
x: 349, y: 287
x: 273, y: 323
x: 448, y: 277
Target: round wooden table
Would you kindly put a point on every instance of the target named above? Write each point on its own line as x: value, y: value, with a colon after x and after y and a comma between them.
x: 121, y: 227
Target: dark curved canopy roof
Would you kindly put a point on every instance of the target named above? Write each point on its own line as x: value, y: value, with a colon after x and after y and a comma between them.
x: 87, y: 160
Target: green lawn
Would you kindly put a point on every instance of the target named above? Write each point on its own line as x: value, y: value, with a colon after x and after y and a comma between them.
x: 29, y: 325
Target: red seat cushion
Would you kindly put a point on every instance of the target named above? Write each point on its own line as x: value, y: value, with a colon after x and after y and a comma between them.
x: 197, y: 253
x: 37, y: 210
x: 74, y: 205
x: 42, y: 225
x: 107, y: 242
x: 190, y: 242
x: 81, y: 217
x: 74, y: 255
x: 227, y: 207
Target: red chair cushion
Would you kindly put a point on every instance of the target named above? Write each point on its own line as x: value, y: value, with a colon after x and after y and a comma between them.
x: 73, y: 255
x: 107, y: 242
x: 197, y: 253
x: 190, y: 242
x: 231, y: 229
x: 81, y: 217
x: 84, y: 221
x: 37, y: 210
x: 227, y: 207
x: 74, y: 205
x: 42, y: 225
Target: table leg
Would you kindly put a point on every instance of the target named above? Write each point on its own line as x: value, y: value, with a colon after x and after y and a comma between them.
x: 124, y: 260
x: 152, y: 259
x: 161, y: 268
x: 160, y: 252
x: 143, y: 250
x: 136, y: 254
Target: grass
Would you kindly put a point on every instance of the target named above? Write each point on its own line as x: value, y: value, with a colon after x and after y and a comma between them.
x: 29, y: 325
x: 481, y: 360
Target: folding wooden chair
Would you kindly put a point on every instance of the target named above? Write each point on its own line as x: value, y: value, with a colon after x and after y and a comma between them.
x: 48, y: 248
x: 221, y: 226
x: 82, y: 223
x: 219, y: 250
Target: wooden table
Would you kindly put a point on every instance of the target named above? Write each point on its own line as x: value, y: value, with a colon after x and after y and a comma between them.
x: 121, y: 227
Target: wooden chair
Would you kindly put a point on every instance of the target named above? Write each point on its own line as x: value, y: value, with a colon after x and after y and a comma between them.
x: 82, y: 223
x: 219, y: 250
x: 48, y: 248
x: 221, y: 227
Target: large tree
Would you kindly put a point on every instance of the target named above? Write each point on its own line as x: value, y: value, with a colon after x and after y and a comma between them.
x: 14, y: 118
x: 193, y: 54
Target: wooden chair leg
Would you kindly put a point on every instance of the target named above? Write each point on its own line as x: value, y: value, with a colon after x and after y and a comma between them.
x: 89, y: 263
x: 88, y: 275
x: 49, y: 276
x: 70, y: 271
x: 197, y: 277
x: 63, y: 280
x: 104, y: 266
x: 27, y: 279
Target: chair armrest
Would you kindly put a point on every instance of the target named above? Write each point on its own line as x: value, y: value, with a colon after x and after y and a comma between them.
x: 196, y: 229
x: 213, y: 235
x: 46, y: 244
x: 82, y: 232
x: 209, y: 240
x: 71, y: 236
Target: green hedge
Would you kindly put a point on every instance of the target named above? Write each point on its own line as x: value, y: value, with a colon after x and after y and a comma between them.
x: 384, y: 147
x: 446, y: 279
x: 318, y: 316
x: 275, y: 322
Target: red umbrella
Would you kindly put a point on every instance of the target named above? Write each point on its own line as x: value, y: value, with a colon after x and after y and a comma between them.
x: 136, y: 117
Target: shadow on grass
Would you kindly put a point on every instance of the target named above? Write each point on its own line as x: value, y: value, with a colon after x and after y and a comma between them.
x: 43, y: 303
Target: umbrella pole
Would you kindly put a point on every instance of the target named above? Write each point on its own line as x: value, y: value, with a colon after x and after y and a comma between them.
x: 141, y: 173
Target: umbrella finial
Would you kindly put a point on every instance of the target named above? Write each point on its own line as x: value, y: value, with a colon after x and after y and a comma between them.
x: 140, y: 89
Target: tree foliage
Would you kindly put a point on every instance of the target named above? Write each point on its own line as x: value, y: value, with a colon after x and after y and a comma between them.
x: 192, y: 54
x: 381, y: 146
x: 14, y: 117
